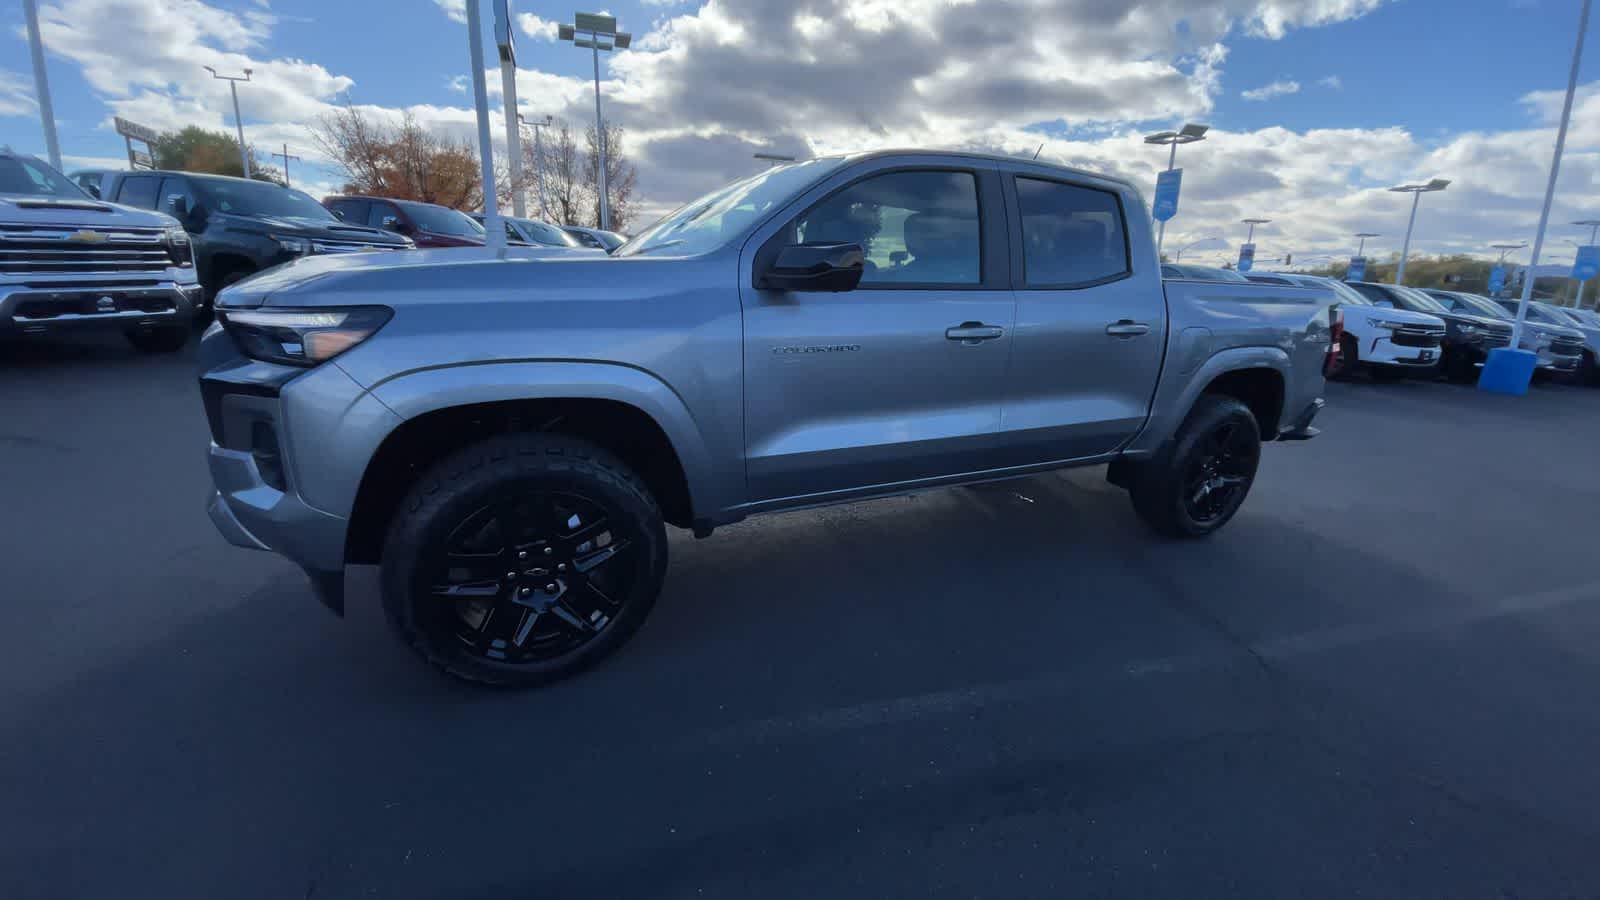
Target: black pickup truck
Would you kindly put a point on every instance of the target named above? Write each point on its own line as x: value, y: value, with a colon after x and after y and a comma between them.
x: 239, y: 226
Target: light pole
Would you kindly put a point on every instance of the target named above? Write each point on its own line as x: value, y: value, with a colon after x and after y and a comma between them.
x: 238, y: 120
x: 1363, y: 235
x: 1416, y: 191
x: 1188, y: 134
x: 503, y: 39
x: 494, y: 227
x: 600, y: 34
x: 41, y: 83
x: 1191, y: 246
x: 285, y: 156
x: 538, y: 158
x: 1507, y: 248
x: 1250, y: 238
x: 1555, y: 169
x: 773, y: 159
x: 1594, y: 231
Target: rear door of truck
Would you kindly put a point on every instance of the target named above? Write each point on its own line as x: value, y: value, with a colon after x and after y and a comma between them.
x: 1091, y: 316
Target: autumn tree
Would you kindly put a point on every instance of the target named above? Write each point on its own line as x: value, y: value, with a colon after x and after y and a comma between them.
x: 565, y: 188
x: 621, y: 176
x: 407, y: 161
x: 194, y: 149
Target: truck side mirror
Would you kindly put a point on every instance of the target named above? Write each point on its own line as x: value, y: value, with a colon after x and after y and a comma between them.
x: 92, y: 190
x: 393, y: 223
x: 815, y: 267
x: 179, y: 207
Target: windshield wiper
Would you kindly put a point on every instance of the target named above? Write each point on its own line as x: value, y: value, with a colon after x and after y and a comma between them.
x: 659, y: 246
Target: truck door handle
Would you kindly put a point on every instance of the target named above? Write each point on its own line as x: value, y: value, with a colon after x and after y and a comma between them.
x: 974, y: 332
x: 1127, y: 328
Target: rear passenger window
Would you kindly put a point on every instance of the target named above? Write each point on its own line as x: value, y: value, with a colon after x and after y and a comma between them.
x: 139, y: 190
x: 1071, y: 235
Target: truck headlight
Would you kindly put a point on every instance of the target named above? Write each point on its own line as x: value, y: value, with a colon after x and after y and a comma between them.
x: 301, y: 337
x: 1382, y: 323
x: 1467, y: 330
x: 295, y: 245
x: 176, y: 241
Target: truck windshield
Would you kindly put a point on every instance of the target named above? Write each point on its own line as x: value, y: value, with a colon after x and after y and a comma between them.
x: 547, y: 234
x: 1478, y: 306
x: 721, y: 215
x: 442, y: 220
x: 1417, y: 301
x: 238, y: 197
x: 1347, y: 294
x: 26, y: 177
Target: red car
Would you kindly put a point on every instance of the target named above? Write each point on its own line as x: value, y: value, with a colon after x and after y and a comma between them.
x: 426, y: 224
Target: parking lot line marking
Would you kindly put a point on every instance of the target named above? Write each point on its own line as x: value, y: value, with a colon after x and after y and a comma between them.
x: 1062, y: 684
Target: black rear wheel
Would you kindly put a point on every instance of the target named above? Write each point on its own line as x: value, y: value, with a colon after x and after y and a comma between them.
x: 523, y: 560
x: 1201, y: 480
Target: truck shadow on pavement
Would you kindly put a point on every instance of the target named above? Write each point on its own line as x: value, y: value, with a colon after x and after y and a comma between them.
x: 962, y: 656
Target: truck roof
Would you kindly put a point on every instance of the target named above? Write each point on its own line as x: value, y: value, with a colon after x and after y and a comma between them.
x: 990, y: 157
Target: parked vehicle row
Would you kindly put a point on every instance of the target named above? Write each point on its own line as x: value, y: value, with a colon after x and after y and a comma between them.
x: 1389, y: 331
x: 509, y: 435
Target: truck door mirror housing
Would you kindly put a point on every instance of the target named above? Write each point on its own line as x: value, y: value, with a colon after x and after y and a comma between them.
x: 815, y: 267
x: 179, y: 207
x: 393, y: 223
x: 93, y: 190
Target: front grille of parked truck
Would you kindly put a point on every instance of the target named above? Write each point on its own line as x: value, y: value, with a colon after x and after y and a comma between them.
x: 34, y: 250
x: 1418, y: 336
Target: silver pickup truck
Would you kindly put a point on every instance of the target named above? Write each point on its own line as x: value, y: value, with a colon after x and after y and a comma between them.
x: 508, y: 432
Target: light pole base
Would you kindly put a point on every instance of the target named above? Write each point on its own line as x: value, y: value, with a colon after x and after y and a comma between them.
x: 1508, y: 371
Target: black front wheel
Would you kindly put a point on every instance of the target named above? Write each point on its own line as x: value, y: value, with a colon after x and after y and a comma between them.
x: 523, y: 559
x: 1198, y: 484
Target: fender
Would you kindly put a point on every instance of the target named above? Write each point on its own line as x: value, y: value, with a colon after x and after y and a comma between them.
x: 1177, y: 393
x: 427, y: 390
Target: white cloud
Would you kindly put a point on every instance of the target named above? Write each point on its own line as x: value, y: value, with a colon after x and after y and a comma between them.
x: 1332, y: 82
x: 1268, y: 91
x: 536, y: 26
x: 455, y: 9
x: 16, y: 94
x: 459, y: 83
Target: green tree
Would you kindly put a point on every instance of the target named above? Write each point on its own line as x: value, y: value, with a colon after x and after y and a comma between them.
x: 194, y: 149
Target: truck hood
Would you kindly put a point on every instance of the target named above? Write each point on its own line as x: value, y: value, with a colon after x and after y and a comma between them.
x: 1483, y: 322
x: 1403, y: 316
x: 27, y: 209
x: 1544, y: 330
x: 310, y: 228
x: 397, y: 275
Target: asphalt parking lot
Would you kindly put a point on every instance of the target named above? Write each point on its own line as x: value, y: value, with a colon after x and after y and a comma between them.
x: 1381, y: 680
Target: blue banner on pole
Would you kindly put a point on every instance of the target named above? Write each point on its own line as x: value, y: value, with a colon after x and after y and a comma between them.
x: 1247, y: 256
x: 1497, y: 279
x: 1167, y: 184
x: 1358, y: 269
x: 1587, y: 265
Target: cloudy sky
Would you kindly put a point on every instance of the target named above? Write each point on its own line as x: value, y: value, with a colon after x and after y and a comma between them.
x: 1316, y: 106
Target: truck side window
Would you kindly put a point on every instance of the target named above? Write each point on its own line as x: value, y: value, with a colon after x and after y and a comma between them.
x: 381, y: 211
x: 917, y: 227
x: 1071, y: 235
x: 171, y: 188
x: 351, y: 212
x: 139, y: 190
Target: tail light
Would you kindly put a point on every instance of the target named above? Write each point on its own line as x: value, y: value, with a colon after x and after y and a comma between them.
x: 1336, y: 339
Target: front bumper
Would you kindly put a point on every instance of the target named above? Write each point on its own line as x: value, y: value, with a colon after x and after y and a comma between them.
x: 1557, y: 362
x: 1383, y: 351
x: 86, y: 303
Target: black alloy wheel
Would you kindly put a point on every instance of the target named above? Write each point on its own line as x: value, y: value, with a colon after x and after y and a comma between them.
x: 531, y: 577
x: 1197, y: 484
x: 523, y: 559
x: 1220, y: 472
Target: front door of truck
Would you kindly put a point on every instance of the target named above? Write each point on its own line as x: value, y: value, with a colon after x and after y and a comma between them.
x: 1090, y: 335
x: 902, y: 378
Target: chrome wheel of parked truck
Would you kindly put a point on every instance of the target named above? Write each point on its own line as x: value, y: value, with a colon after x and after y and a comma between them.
x: 507, y: 433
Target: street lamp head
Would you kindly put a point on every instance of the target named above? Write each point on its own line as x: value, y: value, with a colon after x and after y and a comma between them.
x: 1188, y: 135
x: 1588, y: 223
x: 1254, y: 221
x: 623, y: 39
x: 1437, y: 184
x: 1195, y: 132
x: 247, y: 74
x: 1367, y: 234
x: 565, y: 32
x: 211, y: 70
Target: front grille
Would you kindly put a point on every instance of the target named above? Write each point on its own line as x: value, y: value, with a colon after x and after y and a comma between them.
x: 27, y: 250
x: 1566, y: 347
x: 1417, y: 337
x: 1493, y: 339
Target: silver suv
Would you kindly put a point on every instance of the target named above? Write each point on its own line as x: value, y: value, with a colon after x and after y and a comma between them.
x: 509, y: 432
